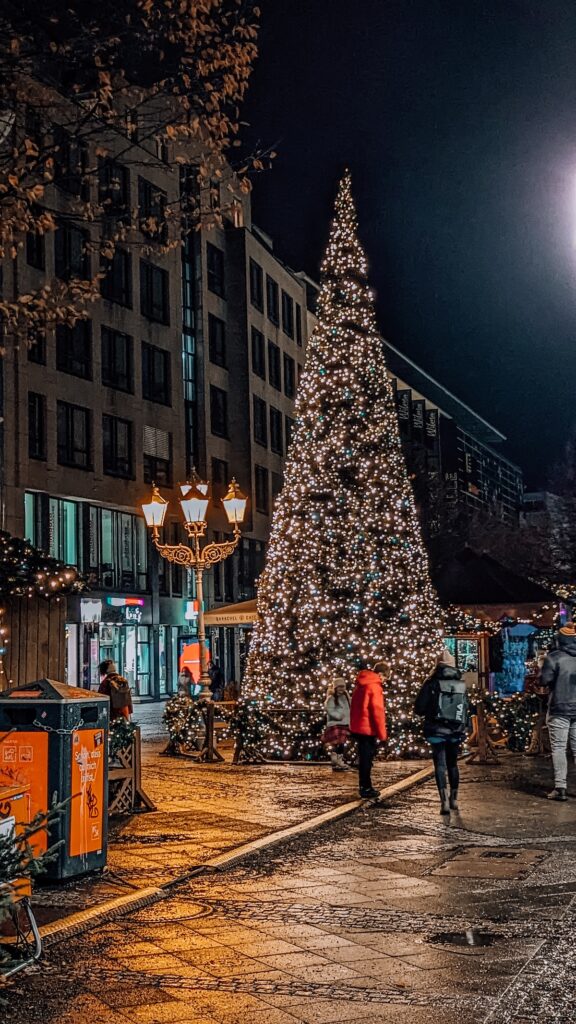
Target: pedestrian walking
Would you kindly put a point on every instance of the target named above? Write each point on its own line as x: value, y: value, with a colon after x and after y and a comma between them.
x: 443, y: 703
x: 117, y: 688
x: 368, y: 721
x: 558, y: 678
x: 337, y: 731
x: 185, y: 682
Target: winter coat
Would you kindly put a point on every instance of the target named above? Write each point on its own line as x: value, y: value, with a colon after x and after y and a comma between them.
x: 338, y: 712
x: 106, y: 688
x: 426, y: 705
x: 559, y: 677
x: 367, y: 710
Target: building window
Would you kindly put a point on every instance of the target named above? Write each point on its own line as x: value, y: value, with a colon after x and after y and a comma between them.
x: 298, y: 325
x: 36, y: 249
x: 70, y: 164
x: 215, y: 265
x: 258, y: 354
x: 114, y: 189
x: 218, y: 412
x: 116, y: 285
x: 217, y: 340
x: 117, y: 360
x: 74, y: 349
x: 74, y: 436
x: 155, y: 374
x: 260, y: 421
x: 152, y: 202
x: 289, y: 376
x: 36, y: 426
x: 276, y: 439
x: 261, y: 490
x: 220, y: 478
x: 274, y: 373
x: 256, y: 285
x: 275, y: 485
x: 70, y: 253
x: 37, y: 348
x: 154, y: 292
x: 272, y: 300
x: 157, y: 449
x: 117, y: 446
x: 288, y: 430
x: 287, y: 314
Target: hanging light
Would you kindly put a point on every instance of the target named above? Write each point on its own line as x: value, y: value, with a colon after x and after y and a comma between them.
x: 155, y: 510
x: 235, y: 504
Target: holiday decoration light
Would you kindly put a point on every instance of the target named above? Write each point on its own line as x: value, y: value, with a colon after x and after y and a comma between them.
x: 346, y: 580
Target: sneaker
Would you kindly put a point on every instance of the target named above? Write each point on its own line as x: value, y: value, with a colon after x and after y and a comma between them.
x: 370, y: 794
x: 558, y: 794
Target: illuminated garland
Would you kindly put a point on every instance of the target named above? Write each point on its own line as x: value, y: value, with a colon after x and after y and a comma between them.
x: 184, y: 720
x: 346, y: 578
x: 516, y: 717
x: 120, y: 736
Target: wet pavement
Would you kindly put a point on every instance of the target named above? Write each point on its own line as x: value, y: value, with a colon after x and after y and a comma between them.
x: 389, y: 915
x: 204, y: 810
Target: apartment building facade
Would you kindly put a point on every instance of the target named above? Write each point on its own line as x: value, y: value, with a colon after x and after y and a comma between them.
x: 450, y: 448
x: 158, y: 379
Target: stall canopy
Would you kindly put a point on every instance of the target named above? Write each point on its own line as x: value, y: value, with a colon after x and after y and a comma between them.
x: 475, y: 580
x: 241, y: 614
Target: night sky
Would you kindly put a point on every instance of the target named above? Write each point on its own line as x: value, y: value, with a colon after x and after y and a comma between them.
x: 458, y: 120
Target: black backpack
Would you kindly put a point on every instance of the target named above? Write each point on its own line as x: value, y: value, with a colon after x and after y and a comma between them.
x: 452, y: 701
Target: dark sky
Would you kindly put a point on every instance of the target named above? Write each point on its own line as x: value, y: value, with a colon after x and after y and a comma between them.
x: 458, y: 120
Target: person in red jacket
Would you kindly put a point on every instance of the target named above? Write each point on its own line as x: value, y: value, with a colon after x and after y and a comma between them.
x: 368, y: 721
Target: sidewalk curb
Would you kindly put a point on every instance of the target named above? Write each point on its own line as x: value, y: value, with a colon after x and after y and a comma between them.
x: 75, y: 924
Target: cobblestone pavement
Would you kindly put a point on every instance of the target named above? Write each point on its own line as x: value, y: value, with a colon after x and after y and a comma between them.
x: 390, y: 915
x: 204, y: 810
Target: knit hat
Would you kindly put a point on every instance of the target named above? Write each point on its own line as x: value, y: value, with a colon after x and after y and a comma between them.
x: 339, y: 681
x: 569, y: 629
x: 446, y: 658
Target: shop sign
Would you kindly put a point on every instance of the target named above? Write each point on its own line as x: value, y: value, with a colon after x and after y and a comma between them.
x: 90, y: 610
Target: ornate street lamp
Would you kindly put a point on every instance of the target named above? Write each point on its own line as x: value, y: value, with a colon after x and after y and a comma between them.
x: 194, y: 504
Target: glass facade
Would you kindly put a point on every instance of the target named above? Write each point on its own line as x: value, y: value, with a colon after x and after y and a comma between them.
x: 118, y: 616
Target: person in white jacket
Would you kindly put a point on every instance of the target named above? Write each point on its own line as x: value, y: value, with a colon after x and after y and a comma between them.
x: 337, y: 730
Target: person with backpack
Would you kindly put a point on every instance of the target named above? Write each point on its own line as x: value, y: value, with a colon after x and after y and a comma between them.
x: 337, y: 731
x: 558, y: 678
x: 117, y: 688
x: 443, y: 703
x: 368, y: 722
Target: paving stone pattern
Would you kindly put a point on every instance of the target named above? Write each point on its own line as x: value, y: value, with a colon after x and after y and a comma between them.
x: 355, y: 922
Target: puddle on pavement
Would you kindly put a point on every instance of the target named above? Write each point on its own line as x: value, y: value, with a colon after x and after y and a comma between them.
x: 472, y: 937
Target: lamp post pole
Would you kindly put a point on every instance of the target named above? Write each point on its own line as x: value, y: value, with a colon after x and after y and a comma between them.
x: 194, y: 505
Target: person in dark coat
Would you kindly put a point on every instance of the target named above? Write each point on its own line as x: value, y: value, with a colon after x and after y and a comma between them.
x: 445, y: 729
x: 558, y: 678
x: 216, y: 681
x: 368, y: 722
x: 117, y: 689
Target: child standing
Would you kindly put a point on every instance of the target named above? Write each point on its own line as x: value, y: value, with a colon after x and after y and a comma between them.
x: 337, y: 730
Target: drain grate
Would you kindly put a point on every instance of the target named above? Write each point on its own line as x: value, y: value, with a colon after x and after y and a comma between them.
x: 500, y: 855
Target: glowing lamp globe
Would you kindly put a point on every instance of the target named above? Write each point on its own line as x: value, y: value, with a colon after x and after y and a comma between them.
x: 155, y: 510
x: 194, y: 503
x: 235, y: 504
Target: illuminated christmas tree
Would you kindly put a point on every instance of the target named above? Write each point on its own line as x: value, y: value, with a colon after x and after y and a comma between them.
x: 346, y: 579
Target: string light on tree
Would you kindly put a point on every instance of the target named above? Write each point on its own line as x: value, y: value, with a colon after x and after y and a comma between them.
x: 346, y: 579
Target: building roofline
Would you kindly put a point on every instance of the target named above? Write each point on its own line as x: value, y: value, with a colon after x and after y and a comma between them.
x: 460, y: 412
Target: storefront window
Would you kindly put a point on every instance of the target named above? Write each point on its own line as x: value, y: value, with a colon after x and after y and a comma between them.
x: 144, y: 687
x: 163, y: 655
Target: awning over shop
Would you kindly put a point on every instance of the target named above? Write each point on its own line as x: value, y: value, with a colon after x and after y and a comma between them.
x: 241, y: 614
